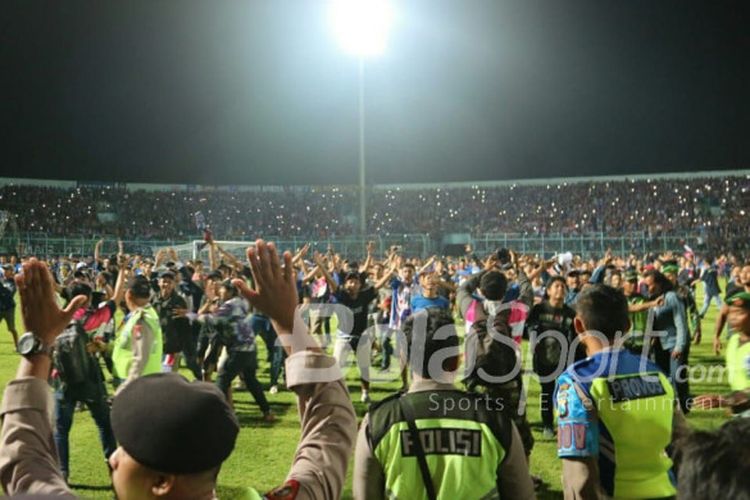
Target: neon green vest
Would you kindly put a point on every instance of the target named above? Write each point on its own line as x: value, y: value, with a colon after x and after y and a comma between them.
x: 738, y: 363
x: 637, y: 324
x: 122, y: 355
x: 250, y: 494
x: 641, y: 429
x: 463, y: 447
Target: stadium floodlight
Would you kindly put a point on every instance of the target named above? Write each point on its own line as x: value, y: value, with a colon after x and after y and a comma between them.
x: 361, y: 26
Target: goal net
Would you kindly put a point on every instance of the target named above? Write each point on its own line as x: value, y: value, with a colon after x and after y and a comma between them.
x: 198, y: 249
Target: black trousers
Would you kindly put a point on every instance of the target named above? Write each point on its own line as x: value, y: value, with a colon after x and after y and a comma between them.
x: 246, y: 363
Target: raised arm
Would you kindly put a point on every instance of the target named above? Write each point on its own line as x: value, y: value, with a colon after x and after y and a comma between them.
x: 368, y: 261
x: 119, y: 293
x: 387, y: 276
x: 213, y: 260
x: 28, y: 459
x: 427, y: 264
x: 300, y: 255
x: 645, y: 306
x: 465, y: 292
x: 98, y: 250
x: 328, y: 421
x: 321, y: 265
x: 231, y: 259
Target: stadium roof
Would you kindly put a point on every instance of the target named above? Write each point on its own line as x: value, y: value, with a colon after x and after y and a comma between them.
x: 136, y: 186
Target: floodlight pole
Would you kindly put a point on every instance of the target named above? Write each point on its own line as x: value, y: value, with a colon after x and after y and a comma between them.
x: 362, y: 191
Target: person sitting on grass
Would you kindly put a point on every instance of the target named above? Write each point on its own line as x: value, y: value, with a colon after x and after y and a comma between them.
x: 174, y: 434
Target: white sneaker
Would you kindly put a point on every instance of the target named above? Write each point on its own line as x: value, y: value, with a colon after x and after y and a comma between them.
x: 365, y: 398
x: 548, y: 433
x: 274, y: 389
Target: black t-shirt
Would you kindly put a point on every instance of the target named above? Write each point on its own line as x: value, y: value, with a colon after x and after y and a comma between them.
x: 359, y: 309
x: 544, y: 317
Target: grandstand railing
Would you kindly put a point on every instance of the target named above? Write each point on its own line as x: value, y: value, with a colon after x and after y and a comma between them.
x: 422, y: 245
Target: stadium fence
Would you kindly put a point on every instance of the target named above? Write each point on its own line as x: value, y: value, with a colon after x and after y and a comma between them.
x: 422, y: 245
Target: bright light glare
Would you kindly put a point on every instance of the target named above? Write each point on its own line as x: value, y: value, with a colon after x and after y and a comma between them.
x: 361, y: 26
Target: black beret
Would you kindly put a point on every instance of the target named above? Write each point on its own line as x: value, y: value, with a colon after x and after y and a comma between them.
x: 174, y: 426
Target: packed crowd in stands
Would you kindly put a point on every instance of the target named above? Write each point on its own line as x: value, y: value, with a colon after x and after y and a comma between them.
x: 212, y: 314
x: 401, y: 311
x: 714, y: 207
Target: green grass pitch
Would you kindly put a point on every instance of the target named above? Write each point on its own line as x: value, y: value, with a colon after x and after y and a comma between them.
x: 264, y: 451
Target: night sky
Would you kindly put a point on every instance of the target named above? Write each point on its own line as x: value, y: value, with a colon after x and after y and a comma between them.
x: 259, y: 92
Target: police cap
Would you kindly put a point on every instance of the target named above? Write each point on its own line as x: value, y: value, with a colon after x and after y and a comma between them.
x: 174, y: 426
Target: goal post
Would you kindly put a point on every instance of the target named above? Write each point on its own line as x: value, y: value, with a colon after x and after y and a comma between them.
x: 198, y: 249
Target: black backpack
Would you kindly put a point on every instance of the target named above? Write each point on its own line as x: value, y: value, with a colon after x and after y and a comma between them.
x: 71, y: 359
x: 492, y: 357
x: 546, y: 357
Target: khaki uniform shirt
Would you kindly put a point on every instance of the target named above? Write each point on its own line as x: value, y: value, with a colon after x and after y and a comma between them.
x: 28, y: 460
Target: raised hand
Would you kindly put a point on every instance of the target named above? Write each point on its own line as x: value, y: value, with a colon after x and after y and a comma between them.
x: 301, y: 252
x: 490, y: 262
x: 275, y: 291
x: 319, y: 260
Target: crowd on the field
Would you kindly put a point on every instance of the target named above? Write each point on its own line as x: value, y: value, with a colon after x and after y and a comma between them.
x: 714, y: 207
x: 210, y: 315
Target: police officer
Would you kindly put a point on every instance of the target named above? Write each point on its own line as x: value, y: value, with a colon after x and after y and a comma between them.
x: 437, y: 441
x: 616, y: 411
x: 138, y: 343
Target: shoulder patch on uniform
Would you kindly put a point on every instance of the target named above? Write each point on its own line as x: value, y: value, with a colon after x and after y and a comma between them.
x: 137, y: 332
x: 286, y: 492
x: 635, y: 387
